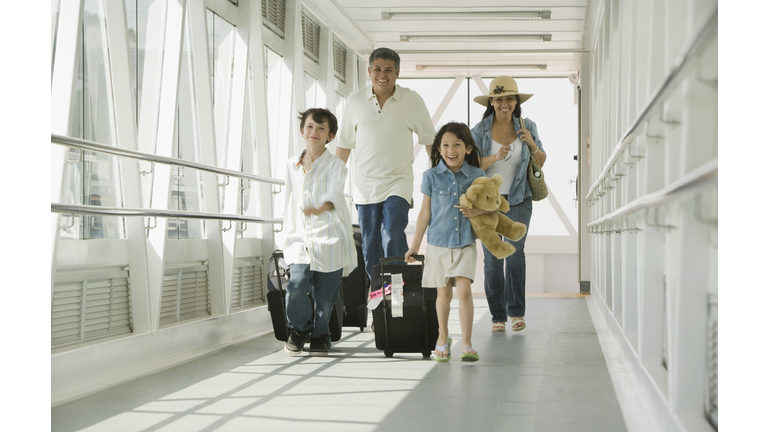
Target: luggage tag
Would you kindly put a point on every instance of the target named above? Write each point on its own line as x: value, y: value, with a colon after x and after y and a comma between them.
x: 375, y: 297
x: 397, y: 295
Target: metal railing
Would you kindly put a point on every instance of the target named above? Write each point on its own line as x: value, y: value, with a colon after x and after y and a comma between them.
x: 82, y: 144
x: 698, y: 179
x: 148, y: 157
x: 689, y: 50
x: 173, y: 214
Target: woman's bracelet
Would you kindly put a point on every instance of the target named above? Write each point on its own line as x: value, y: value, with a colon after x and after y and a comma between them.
x: 537, y: 150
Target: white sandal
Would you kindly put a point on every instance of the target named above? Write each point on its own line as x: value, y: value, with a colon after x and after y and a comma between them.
x: 498, y: 327
x: 518, y: 320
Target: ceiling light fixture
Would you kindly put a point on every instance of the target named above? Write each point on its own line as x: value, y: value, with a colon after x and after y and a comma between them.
x: 477, y: 38
x: 465, y: 16
x: 480, y: 68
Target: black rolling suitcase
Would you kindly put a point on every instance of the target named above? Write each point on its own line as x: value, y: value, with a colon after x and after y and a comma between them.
x: 416, y: 331
x: 355, y: 287
x: 278, y: 277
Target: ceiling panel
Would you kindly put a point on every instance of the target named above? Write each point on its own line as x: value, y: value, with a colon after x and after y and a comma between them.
x: 559, y: 56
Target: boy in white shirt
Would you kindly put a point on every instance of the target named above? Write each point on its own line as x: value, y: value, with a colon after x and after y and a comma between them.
x: 319, y: 247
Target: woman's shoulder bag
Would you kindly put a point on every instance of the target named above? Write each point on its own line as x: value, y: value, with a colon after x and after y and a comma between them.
x: 535, y: 176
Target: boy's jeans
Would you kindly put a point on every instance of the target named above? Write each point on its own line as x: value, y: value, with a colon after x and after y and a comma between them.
x: 298, y: 306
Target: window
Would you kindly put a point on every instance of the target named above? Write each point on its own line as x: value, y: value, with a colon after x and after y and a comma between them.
x: 186, y: 183
x: 340, y: 62
x: 94, y: 178
x: 273, y: 16
x: 278, y: 110
x: 310, y: 90
x: 54, y: 27
x: 221, y: 45
x: 250, y: 191
x: 310, y: 38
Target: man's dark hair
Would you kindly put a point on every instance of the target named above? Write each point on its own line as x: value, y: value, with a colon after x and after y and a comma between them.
x: 320, y: 115
x: 384, y: 54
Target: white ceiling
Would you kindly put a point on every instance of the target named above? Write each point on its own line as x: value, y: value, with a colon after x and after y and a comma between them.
x: 558, y: 57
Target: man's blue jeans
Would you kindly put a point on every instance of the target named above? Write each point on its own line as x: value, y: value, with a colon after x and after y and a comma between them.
x: 505, y: 284
x: 382, y: 227
x: 298, y: 306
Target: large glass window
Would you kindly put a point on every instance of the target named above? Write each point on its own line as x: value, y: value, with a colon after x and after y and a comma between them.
x: 54, y: 28
x: 250, y: 191
x: 278, y: 110
x: 93, y: 178
x: 143, y: 35
x: 221, y: 45
x: 311, y: 88
x: 279, y: 117
x: 186, y: 189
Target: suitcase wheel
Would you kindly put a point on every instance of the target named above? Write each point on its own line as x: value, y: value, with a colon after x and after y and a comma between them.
x: 426, y: 355
x: 361, y: 329
x: 389, y: 353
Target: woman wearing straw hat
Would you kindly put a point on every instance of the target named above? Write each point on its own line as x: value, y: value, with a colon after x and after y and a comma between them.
x: 506, y: 148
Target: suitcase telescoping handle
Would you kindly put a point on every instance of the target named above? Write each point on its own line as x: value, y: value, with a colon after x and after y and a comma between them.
x: 401, y: 258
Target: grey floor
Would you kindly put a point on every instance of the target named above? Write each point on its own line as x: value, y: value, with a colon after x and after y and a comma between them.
x: 552, y: 376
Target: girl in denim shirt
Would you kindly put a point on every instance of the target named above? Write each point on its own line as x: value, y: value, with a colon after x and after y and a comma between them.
x: 451, y: 256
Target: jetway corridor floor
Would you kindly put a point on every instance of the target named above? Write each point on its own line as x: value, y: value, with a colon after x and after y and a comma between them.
x: 552, y: 376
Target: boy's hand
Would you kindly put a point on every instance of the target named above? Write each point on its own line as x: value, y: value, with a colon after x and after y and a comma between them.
x: 318, y: 210
x: 312, y: 211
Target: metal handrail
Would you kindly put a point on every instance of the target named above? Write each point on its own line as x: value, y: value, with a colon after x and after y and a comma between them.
x: 175, y: 214
x: 94, y: 146
x: 690, y: 48
x: 696, y: 180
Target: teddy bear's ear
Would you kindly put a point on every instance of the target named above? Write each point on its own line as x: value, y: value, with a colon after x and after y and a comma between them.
x: 498, y: 179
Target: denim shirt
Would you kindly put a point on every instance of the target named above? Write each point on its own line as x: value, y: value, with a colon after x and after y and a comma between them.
x: 519, y: 189
x: 448, y: 227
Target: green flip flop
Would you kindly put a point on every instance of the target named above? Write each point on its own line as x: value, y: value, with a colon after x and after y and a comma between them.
x: 446, y: 349
x: 471, y: 356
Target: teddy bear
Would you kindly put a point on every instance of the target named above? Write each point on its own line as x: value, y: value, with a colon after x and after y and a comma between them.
x: 484, y: 194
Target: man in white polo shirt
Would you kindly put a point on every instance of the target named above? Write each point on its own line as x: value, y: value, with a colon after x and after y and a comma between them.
x: 379, y: 122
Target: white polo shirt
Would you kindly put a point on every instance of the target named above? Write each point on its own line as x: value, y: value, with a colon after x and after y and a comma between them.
x: 382, y: 140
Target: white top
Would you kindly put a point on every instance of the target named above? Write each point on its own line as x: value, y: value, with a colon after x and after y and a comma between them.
x: 509, y: 165
x: 324, y: 241
x: 382, y: 139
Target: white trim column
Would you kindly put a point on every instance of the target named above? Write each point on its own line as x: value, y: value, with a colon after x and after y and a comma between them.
x: 235, y: 145
x: 261, y: 125
x: 208, y: 151
x: 166, y: 86
x: 295, y: 55
x: 125, y: 133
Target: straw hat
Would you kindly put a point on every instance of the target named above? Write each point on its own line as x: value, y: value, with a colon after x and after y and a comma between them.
x: 502, y: 86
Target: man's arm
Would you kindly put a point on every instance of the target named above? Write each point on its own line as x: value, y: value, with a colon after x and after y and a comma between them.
x: 424, y: 128
x: 343, y: 153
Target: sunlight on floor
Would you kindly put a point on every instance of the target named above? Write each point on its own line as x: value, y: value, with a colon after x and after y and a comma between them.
x: 279, y: 392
